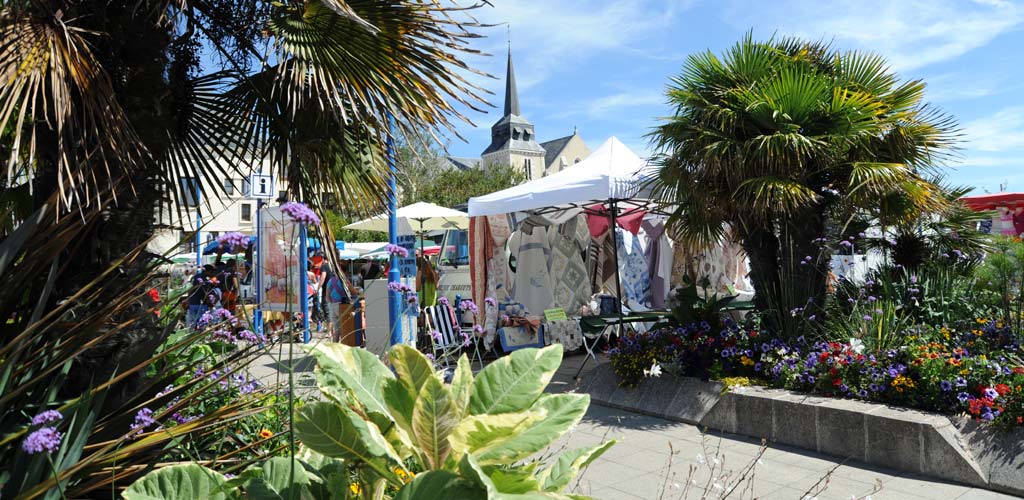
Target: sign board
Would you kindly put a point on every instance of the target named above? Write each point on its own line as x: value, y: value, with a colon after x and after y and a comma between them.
x: 262, y: 186
x: 556, y: 314
x: 279, y: 260
x: 407, y: 264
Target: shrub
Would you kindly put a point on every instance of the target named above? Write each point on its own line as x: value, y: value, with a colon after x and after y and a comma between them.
x: 406, y: 434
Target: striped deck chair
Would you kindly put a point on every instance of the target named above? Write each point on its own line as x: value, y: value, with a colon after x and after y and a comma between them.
x: 448, y: 344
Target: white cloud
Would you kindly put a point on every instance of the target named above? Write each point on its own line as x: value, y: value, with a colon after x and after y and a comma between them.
x: 550, y: 37
x: 910, y: 33
x: 1002, y: 131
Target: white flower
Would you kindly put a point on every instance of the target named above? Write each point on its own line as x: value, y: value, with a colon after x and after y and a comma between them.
x: 857, y: 345
x: 654, y: 371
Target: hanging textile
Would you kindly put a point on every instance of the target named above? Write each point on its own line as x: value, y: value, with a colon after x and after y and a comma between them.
x: 636, y: 283
x: 598, y: 219
x: 601, y: 264
x: 570, y: 277
x: 659, y: 262
x: 479, y: 254
x: 568, y: 333
x: 497, y: 270
x: 532, y: 283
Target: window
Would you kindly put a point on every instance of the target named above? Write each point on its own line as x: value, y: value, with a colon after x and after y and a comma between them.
x: 189, y: 191
x: 526, y: 135
x: 529, y: 171
x: 246, y: 188
x: 229, y: 187
x: 188, y: 241
x: 246, y: 213
x: 282, y: 195
x: 577, y: 160
x: 515, y: 134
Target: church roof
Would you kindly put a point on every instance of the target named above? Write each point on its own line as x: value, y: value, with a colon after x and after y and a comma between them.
x: 554, y: 147
x: 511, y: 93
x: 463, y: 163
x: 512, y: 131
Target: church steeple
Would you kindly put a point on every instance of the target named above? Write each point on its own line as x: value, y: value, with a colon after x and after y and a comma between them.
x: 512, y: 139
x: 511, y: 94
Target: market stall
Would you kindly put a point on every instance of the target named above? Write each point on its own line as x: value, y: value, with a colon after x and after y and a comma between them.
x: 1007, y: 212
x: 587, y: 240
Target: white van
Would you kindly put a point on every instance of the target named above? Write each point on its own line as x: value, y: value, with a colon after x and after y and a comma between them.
x: 453, y: 267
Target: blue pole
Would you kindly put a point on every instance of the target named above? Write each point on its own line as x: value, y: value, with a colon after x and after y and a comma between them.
x: 258, y: 269
x: 393, y: 272
x: 199, y: 225
x: 303, y: 284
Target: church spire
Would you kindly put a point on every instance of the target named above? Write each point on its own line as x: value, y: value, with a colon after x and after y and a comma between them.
x: 511, y: 94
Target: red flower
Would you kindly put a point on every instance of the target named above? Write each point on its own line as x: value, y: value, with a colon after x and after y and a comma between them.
x: 1002, y: 389
x: 833, y: 371
x: 1019, y: 370
x: 752, y: 334
x: 822, y: 357
x: 1020, y: 420
x: 837, y: 382
x: 154, y: 294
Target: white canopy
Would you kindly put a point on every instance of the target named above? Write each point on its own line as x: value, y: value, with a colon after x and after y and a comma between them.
x: 418, y: 217
x: 612, y: 172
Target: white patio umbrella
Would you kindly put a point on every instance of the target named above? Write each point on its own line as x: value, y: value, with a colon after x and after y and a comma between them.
x: 418, y: 218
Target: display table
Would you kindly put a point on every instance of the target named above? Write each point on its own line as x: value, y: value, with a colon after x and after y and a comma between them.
x: 596, y: 324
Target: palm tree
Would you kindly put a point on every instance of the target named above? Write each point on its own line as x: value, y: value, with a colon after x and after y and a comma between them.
x: 783, y: 141
x: 105, y: 105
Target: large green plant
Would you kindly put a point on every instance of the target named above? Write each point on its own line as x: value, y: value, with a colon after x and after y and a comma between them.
x: 403, y: 433
x: 782, y: 141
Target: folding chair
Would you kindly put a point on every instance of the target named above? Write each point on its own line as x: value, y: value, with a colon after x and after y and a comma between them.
x: 441, y: 318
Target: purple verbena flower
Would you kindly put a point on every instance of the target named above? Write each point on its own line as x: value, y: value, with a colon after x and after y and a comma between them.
x: 45, y: 439
x: 300, y: 213
x: 46, y: 417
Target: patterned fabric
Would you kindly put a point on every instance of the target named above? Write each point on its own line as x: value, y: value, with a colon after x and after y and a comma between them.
x: 659, y: 262
x: 567, y: 333
x: 532, y: 286
x: 519, y: 337
x: 571, y: 280
x: 497, y: 271
x: 636, y: 282
x: 601, y: 264
x: 725, y: 266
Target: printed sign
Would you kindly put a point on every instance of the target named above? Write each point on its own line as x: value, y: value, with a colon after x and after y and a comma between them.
x: 556, y: 314
x: 279, y: 261
x: 262, y: 186
x: 407, y: 264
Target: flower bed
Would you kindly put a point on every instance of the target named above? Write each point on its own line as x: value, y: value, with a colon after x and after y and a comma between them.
x: 973, y: 370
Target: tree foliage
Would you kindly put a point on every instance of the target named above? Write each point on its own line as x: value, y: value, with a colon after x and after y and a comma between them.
x: 784, y: 141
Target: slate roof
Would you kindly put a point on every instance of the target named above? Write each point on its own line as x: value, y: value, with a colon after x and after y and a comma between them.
x: 463, y: 163
x: 553, y: 148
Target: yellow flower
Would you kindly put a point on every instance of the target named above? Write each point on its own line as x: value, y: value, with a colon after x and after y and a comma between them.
x: 965, y: 371
x: 403, y: 475
x: 355, y: 488
x: 745, y: 361
x: 266, y: 434
x: 981, y: 321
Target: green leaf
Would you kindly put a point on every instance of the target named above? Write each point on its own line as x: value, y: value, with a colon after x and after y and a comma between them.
x: 177, y: 482
x: 412, y: 367
x: 337, y: 432
x: 514, y: 382
x: 401, y: 401
x: 562, y: 411
x: 440, y: 484
x: 481, y: 434
x: 568, y: 465
x: 462, y: 385
x: 433, y: 420
x: 342, y: 368
x: 520, y: 479
x: 277, y: 480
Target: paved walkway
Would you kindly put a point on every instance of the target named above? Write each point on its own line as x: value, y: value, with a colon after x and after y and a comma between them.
x: 657, y: 459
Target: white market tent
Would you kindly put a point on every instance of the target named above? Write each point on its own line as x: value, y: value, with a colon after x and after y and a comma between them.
x: 612, y: 173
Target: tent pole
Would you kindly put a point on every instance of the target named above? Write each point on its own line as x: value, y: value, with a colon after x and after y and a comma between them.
x: 612, y: 210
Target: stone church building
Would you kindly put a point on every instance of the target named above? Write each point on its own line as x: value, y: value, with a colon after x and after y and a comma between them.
x: 514, y: 142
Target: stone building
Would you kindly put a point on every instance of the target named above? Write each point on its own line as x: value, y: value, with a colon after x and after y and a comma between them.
x: 514, y: 141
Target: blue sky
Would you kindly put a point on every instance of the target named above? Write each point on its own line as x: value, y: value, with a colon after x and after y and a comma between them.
x: 602, y: 65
